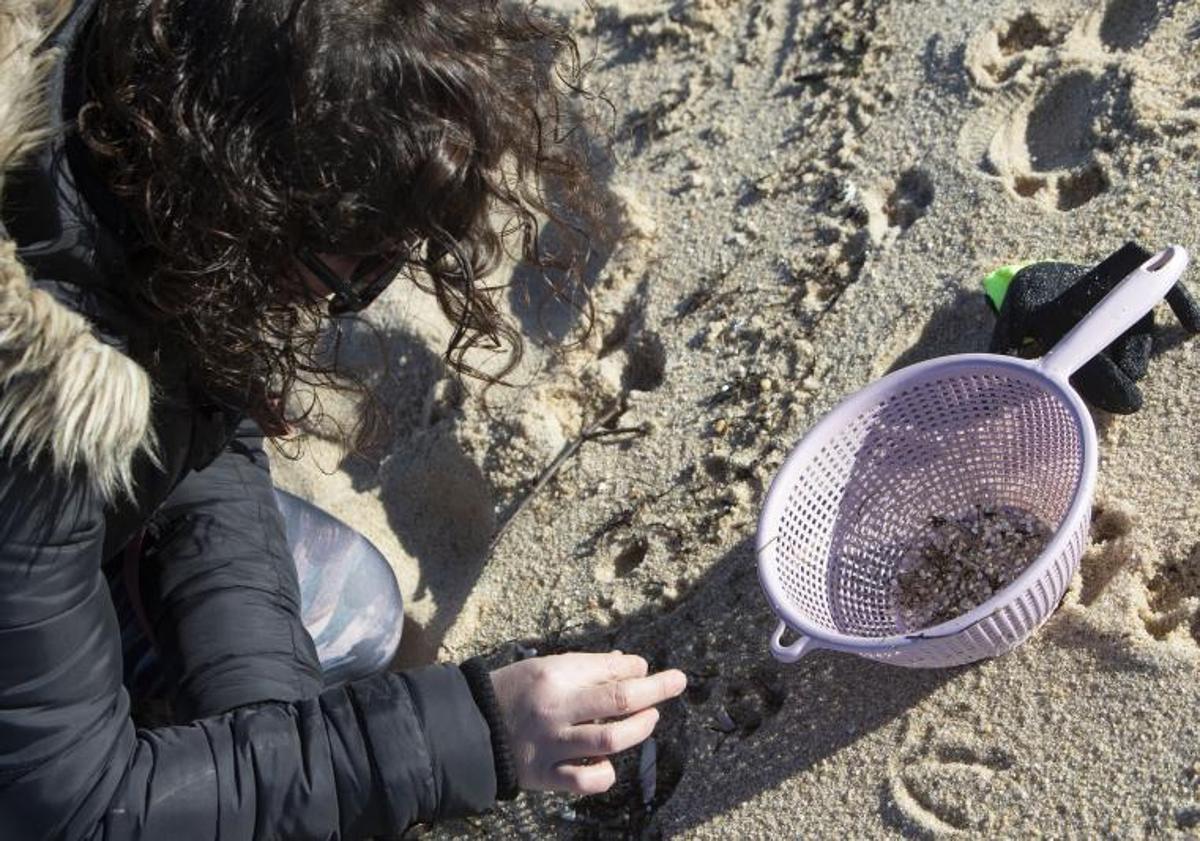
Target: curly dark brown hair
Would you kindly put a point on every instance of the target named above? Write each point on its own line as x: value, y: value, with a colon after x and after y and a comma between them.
x: 237, y: 132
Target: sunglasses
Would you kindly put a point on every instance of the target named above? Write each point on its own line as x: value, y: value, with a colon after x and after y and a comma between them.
x: 370, y: 277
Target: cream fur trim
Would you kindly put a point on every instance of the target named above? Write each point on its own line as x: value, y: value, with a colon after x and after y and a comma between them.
x: 23, y: 25
x: 64, y: 394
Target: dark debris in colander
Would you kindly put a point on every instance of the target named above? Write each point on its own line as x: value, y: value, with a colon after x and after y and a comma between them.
x: 961, y: 561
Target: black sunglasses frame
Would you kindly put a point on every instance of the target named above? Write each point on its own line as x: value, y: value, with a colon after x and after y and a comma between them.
x: 353, y: 296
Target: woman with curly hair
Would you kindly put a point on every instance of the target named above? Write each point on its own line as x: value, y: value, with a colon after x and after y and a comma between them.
x: 193, y: 194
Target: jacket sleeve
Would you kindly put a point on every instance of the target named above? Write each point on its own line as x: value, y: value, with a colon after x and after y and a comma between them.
x: 221, y: 589
x: 370, y: 757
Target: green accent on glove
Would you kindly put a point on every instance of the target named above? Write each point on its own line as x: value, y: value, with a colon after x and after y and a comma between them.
x: 996, y: 284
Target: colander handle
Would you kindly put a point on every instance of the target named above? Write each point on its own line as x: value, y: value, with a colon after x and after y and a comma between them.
x: 1120, y: 309
x: 789, y: 653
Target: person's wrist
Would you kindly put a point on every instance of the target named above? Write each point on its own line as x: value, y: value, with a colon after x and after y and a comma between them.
x: 479, y: 679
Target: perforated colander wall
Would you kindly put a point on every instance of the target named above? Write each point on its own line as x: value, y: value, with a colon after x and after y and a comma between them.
x: 936, y: 447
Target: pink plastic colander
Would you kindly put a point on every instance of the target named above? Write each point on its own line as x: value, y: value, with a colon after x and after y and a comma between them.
x: 935, y: 439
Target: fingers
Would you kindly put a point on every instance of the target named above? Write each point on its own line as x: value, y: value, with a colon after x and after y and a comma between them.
x: 622, y: 697
x: 1185, y: 308
x: 1102, y: 382
x: 559, y: 701
x: 613, y: 737
x: 585, y: 779
x: 603, y: 668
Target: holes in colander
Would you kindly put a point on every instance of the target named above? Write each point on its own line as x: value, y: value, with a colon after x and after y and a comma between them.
x: 932, y: 448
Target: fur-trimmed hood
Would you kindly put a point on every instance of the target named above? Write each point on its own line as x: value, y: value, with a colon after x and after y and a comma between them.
x: 67, y: 397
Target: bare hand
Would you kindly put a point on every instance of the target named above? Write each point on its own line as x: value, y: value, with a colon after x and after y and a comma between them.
x: 566, y: 708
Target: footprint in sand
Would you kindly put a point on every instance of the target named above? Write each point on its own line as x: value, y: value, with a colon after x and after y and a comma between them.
x: 646, y: 367
x: 1009, y: 53
x: 624, y: 562
x: 1127, y: 24
x: 1173, y: 596
x: 1046, y: 146
x: 1057, y: 100
x: 893, y: 210
x: 751, y: 702
x: 1167, y: 587
x: 1048, y: 151
x: 1108, y: 552
x: 943, y: 776
x: 1187, y: 815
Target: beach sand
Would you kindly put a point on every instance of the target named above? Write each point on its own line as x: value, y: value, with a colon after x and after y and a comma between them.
x: 815, y: 191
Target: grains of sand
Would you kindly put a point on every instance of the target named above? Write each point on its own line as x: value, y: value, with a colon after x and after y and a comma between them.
x: 961, y: 561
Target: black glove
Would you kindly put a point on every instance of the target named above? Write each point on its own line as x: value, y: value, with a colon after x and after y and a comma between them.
x: 1045, y: 300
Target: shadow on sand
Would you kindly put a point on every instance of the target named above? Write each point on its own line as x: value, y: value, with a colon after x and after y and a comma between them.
x: 745, y: 725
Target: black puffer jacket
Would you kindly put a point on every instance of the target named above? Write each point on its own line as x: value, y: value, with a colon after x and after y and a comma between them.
x: 272, y: 754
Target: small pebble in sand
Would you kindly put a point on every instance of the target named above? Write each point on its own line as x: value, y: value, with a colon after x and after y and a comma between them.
x: 765, y: 384
x: 725, y: 722
x: 720, y: 426
x: 963, y: 560
x: 648, y: 771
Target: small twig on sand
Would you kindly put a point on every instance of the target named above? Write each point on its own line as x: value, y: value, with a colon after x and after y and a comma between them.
x: 592, y: 431
x: 627, y: 431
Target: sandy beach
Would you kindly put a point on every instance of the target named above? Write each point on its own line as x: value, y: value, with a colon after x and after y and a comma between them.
x: 813, y: 193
